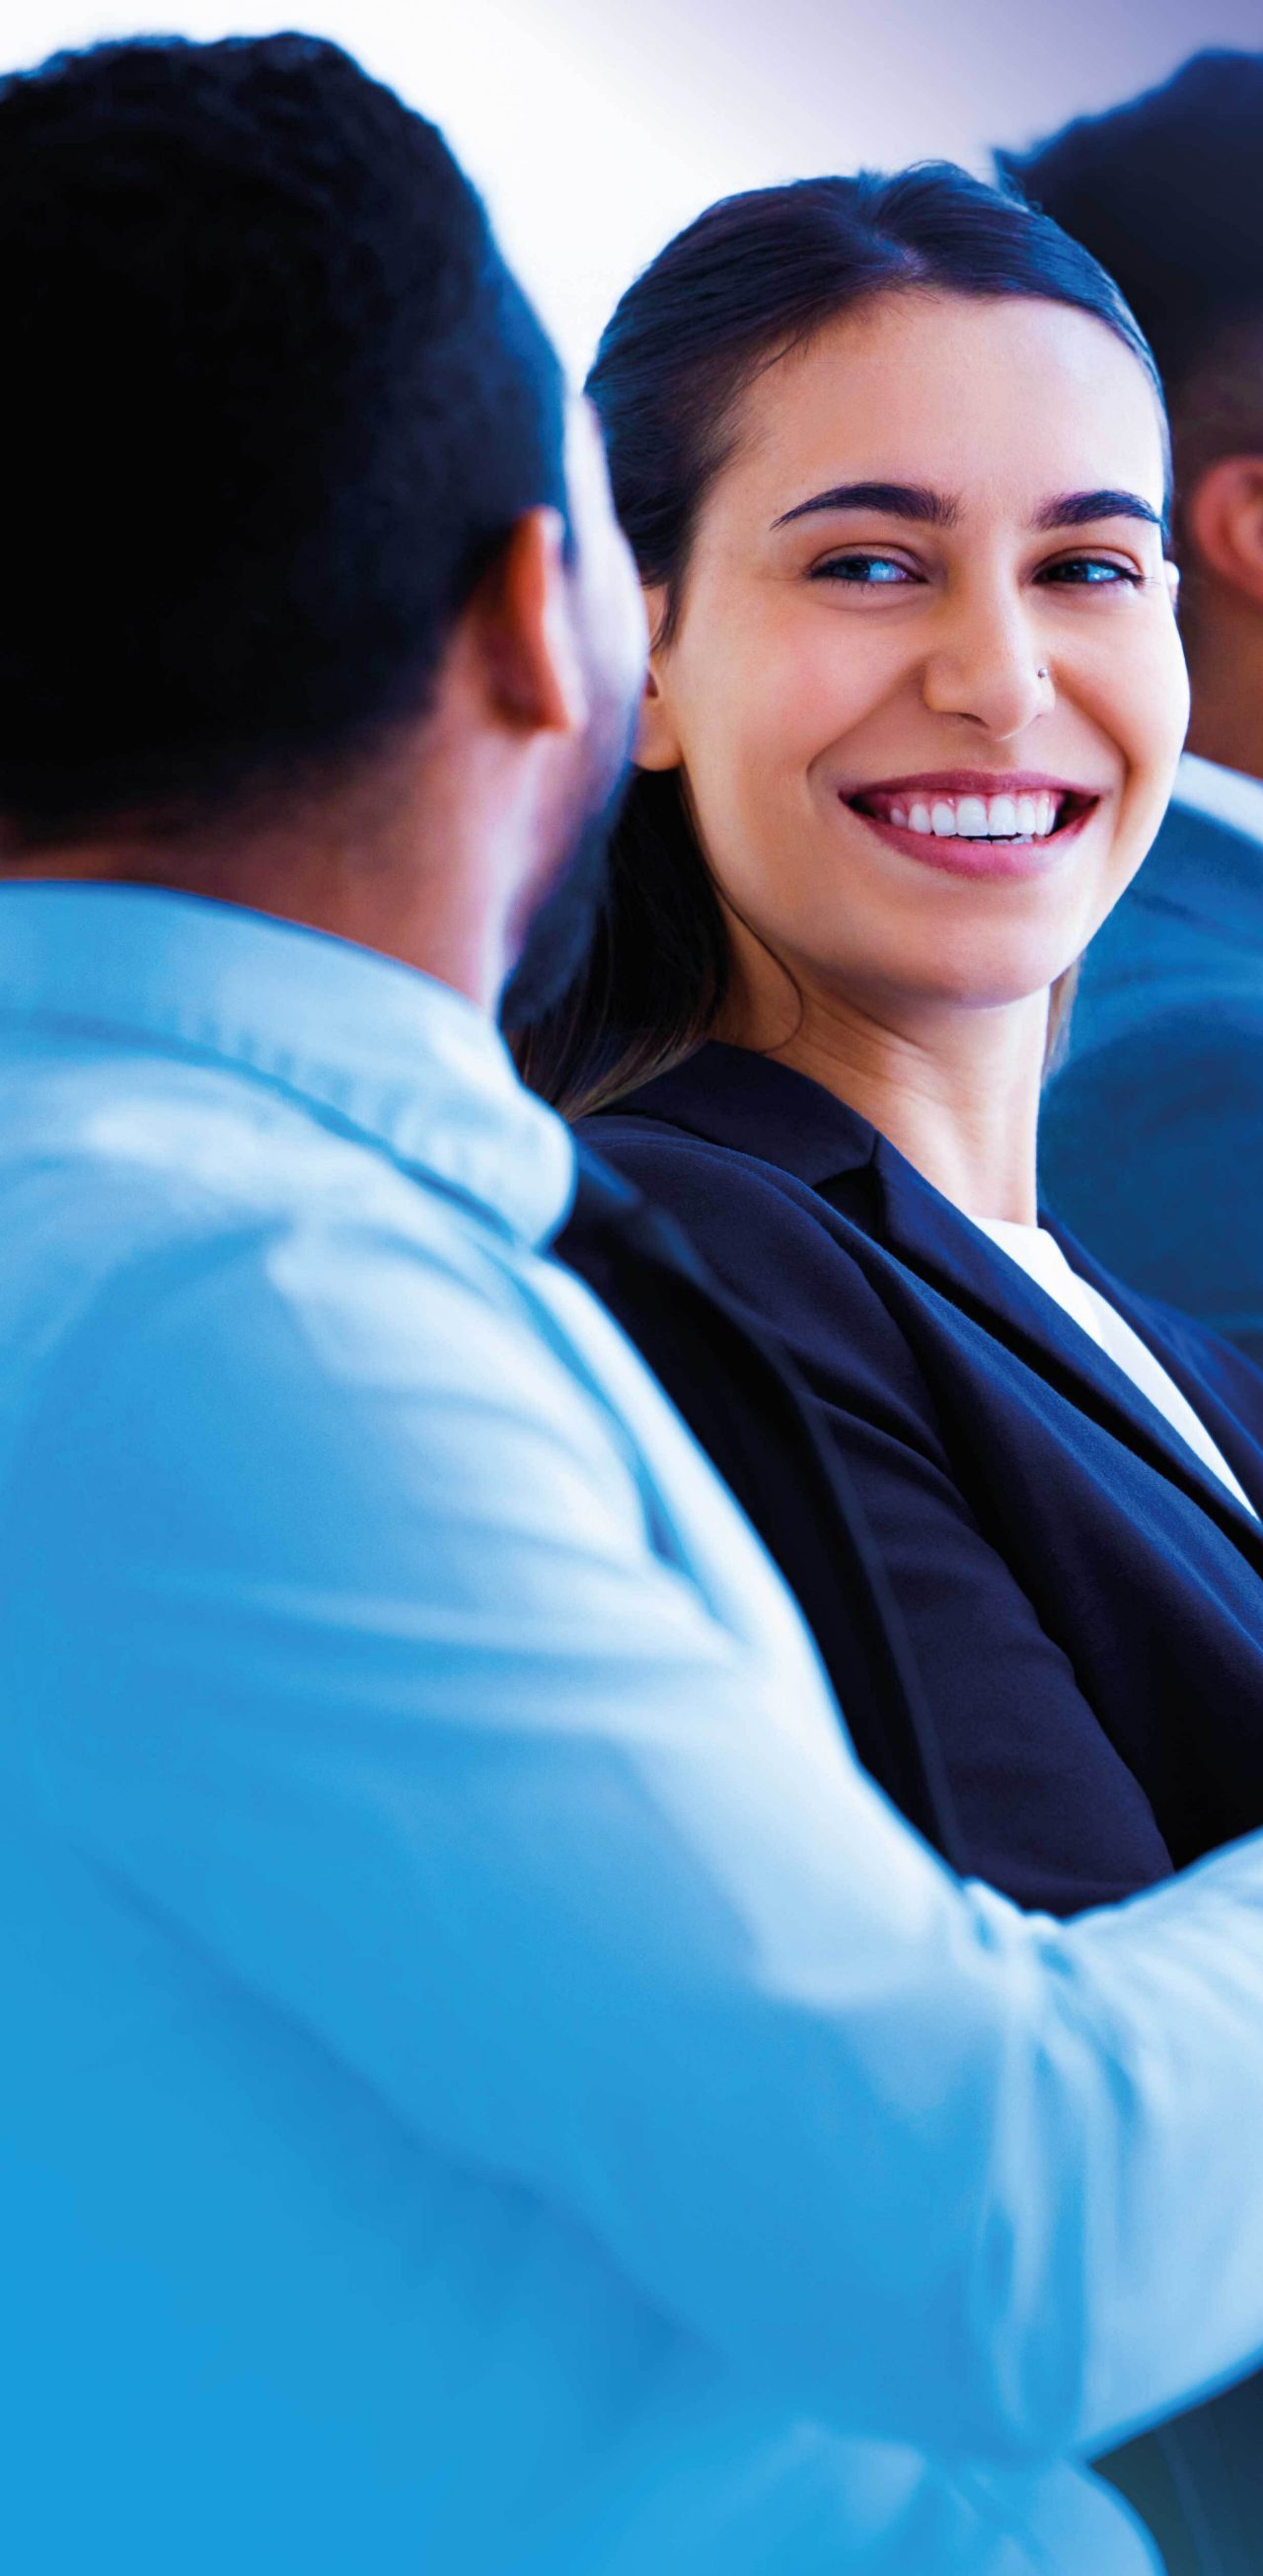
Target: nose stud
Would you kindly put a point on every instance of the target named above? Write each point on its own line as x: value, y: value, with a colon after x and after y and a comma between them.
x: 1042, y: 672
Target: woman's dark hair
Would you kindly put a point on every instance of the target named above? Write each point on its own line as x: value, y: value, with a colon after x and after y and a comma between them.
x: 753, y: 277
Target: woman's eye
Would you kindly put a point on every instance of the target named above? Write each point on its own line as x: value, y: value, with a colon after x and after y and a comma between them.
x: 863, y: 572
x: 1092, y: 572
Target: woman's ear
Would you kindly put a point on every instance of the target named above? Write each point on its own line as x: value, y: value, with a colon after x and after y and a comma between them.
x: 1224, y: 518
x: 657, y: 743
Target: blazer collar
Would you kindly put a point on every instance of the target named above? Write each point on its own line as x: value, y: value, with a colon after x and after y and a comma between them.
x: 948, y: 1252
x: 1162, y: 1332
x: 733, y: 1097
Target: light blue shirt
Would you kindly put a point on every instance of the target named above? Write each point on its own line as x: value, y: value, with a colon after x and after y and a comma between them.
x: 490, y: 2087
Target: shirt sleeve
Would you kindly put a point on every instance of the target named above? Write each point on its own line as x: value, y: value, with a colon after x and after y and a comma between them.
x: 348, y: 1648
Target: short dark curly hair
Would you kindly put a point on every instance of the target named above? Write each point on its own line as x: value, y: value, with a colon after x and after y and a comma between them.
x: 1166, y: 191
x: 273, y: 402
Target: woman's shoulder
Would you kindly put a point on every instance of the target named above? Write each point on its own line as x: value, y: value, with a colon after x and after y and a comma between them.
x: 720, y: 1190
x: 638, y: 1144
x: 797, y: 1263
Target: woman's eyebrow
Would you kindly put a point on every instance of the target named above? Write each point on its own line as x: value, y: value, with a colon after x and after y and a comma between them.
x: 1079, y: 509
x: 893, y: 500
x: 929, y: 509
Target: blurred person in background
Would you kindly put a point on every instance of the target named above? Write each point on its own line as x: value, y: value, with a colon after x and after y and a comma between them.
x: 490, y: 2086
x: 1153, y: 1132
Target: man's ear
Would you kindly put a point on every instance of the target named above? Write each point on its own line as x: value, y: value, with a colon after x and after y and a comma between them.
x: 1223, y: 515
x: 657, y: 743
x: 527, y: 637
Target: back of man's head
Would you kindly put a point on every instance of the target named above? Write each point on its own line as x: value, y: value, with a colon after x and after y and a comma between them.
x: 1167, y: 192
x: 273, y: 404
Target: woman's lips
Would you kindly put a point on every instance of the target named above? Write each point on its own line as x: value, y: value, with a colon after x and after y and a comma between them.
x: 975, y: 853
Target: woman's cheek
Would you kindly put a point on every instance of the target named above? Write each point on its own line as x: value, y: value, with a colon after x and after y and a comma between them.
x: 1159, y: 696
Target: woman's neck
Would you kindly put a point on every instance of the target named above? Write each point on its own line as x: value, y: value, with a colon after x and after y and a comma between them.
x: 956, y: 1091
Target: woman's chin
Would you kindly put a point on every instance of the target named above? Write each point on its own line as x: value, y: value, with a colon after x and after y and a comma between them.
x: 937, y: 989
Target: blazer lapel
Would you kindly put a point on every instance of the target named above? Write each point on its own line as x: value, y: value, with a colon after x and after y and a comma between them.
x: 1239, y: 1446
x: 949, y: 1253
x: 739, y: 1099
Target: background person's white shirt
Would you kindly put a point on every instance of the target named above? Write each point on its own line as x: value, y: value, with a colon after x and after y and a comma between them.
x: 1227, y: 795
x: 490, y: 2086
x: 1041, y: 1257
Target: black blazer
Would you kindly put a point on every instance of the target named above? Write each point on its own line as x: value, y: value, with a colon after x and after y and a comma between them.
x: 743, y: 1402
x: 1083, y: 1597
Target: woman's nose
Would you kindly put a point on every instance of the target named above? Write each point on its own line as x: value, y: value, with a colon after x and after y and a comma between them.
x: 987, y: 669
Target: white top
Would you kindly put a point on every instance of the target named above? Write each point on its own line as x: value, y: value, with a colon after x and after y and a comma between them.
x: 1226, y: 795
x: 1041, y: 1256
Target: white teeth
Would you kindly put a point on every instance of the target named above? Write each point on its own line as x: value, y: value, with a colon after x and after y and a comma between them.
x: 1029, y: 817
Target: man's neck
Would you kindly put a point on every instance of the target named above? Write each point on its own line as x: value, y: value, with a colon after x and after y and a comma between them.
x: 378, y: 897
x: 1231, y: 745
x: 1226, y: 665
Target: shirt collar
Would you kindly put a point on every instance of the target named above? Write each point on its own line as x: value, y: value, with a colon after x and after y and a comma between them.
x: 367, y: 1043
x: 1224, y: 795
x: 733, y: 1097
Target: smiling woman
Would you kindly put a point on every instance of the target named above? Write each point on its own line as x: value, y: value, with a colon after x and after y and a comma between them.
x: 892, y: 459
x: 823, y: 405
x: 870, y: 671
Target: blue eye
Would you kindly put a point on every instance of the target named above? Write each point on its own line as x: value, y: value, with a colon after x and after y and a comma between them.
x: 863, y: 572
x: 1092, y: 572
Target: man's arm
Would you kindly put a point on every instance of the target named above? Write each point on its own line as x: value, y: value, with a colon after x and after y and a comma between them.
x: 346, y: 1646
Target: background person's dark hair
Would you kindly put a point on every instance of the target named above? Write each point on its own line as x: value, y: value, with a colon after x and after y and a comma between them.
x: 755, y: 276
x: 273, y: 402
x: 1167, y: 192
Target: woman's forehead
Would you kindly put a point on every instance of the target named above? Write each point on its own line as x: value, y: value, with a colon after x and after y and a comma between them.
x: 995, y: 400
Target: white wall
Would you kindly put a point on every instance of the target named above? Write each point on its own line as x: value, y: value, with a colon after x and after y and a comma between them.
x: 597, y: 127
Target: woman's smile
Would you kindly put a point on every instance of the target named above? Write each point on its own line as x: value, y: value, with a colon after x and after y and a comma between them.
x: 977, y: 823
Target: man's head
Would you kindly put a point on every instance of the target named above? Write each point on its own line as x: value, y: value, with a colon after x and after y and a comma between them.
x: 284, y: 447
x: 1167, y: 192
